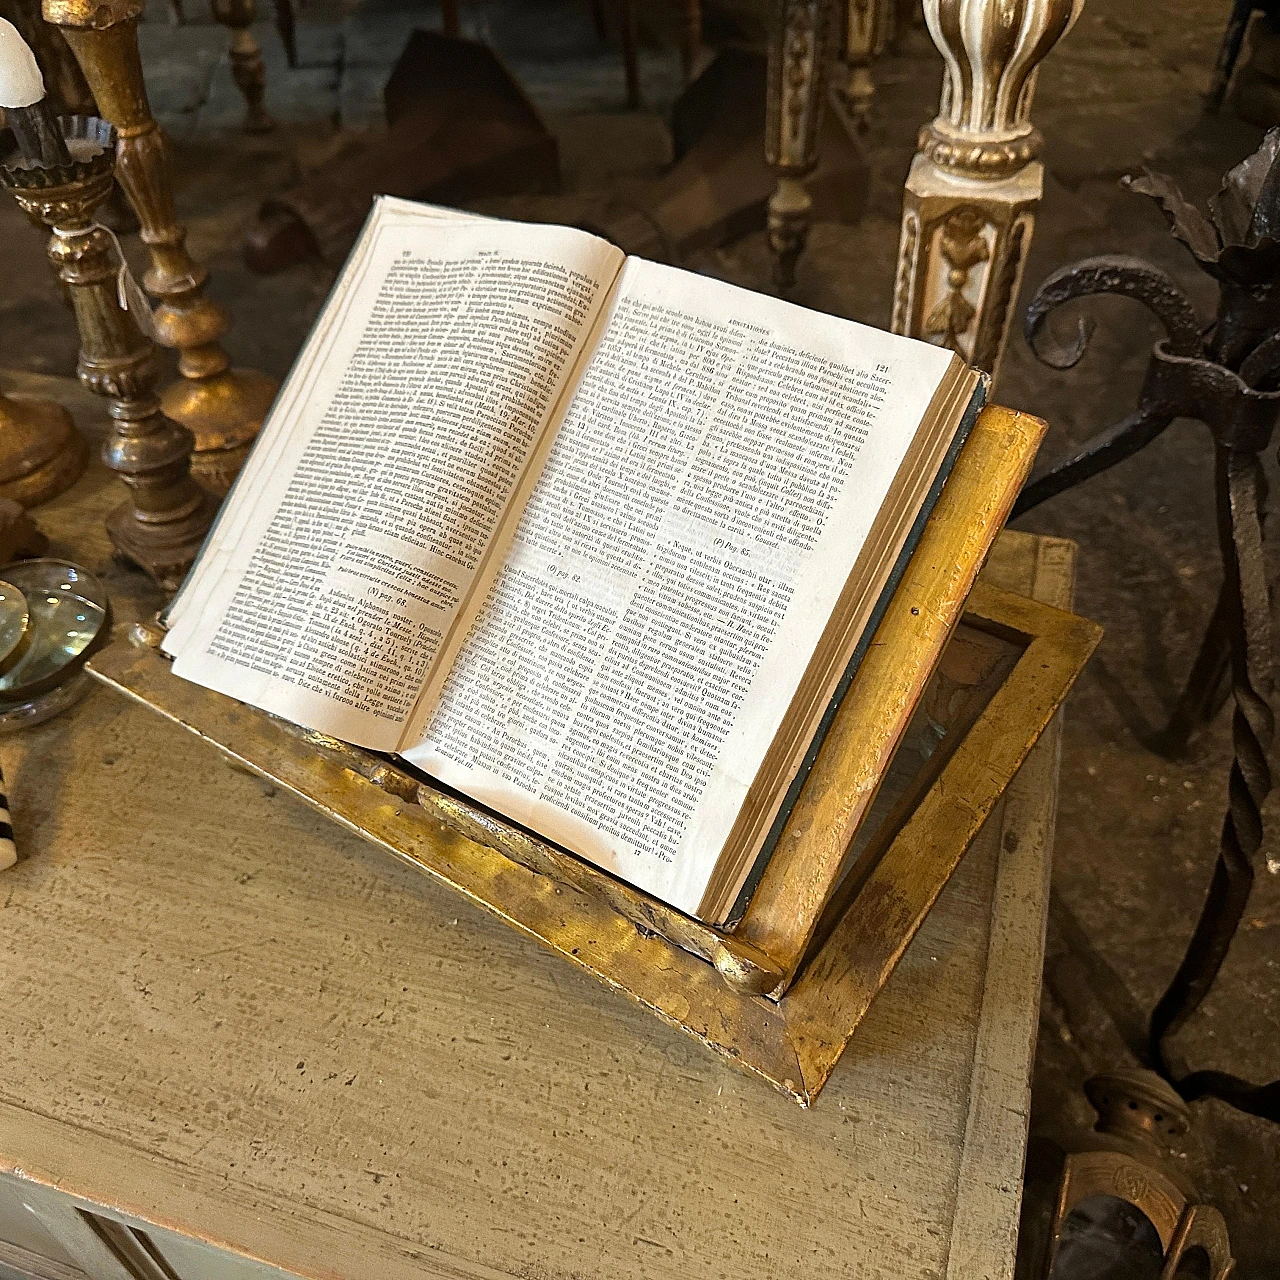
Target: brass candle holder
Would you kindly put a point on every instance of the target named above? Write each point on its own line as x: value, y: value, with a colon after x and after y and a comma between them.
x: 161, y: 526
x: 41, y: 452
x: 222, y: 407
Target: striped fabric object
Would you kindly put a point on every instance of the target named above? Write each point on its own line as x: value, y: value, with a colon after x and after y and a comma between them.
x: 8, y: 850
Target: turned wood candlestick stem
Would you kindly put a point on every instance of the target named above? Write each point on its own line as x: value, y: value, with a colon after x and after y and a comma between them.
x: 223, y: 407
x: 247, y: 66
x: 162, y: 525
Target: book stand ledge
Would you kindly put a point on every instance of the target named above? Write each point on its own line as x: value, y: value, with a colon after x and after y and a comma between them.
x: 850, y: 881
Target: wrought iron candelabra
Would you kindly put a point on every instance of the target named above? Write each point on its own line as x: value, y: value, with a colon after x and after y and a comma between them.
x: 1226, y: 376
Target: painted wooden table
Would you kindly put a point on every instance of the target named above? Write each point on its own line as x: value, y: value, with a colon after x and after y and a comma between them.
x: 233, y: 1038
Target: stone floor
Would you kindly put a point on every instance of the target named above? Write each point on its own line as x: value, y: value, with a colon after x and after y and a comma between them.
x: 1137, y: 833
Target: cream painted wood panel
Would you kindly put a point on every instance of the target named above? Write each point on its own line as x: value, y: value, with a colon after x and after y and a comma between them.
x: 73, y: 1239
x: 21, y: 1229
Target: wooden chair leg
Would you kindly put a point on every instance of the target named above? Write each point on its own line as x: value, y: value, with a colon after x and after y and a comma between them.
x: 599, y: 19
x: 450, y: 18
x: 691, y: 45
x: 631, y: 52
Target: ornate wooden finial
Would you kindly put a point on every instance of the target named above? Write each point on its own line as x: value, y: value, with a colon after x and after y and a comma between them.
x: 971, y: 196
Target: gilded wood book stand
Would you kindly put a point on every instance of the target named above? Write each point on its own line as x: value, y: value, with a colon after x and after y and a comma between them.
x: 780, y: 994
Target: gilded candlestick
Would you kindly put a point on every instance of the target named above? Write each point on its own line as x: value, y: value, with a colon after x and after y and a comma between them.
x: 223, y: 407
x: 163, y: 523
x: 41, y: 452
x: 247, y: 66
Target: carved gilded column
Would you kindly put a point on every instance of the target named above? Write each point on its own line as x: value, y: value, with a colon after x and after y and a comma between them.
x: 970, y: 202
x: 222, y: 407
x: 868, y: 28
x: 799, y: 49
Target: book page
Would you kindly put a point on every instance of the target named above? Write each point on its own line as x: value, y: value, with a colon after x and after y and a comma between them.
x: 699, y: 512
x: 346, y: 551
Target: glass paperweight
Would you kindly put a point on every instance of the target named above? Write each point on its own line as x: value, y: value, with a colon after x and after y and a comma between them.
x: 68, y: 617
x: 15, y: 629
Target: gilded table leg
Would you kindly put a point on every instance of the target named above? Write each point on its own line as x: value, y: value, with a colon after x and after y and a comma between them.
x: 971, y: 196
x: 222, y: 407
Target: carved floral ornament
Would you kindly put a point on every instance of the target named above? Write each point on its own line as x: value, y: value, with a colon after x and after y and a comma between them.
x: 963, y: 246
x: 991, y: 49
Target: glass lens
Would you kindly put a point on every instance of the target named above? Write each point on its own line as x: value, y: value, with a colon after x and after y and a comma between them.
x: 13, y: 624
x: 67, y: 610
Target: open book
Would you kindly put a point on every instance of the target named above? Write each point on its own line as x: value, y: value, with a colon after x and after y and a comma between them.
x: 592, y: 540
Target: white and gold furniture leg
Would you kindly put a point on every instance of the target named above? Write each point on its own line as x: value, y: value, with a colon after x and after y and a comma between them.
x: 868, y: 28
x: 799, y: 48
x: 970, y: 203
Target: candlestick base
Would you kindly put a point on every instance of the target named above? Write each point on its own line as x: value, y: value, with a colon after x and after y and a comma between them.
x: 165, y: 551
x: 224, y: 413
x: 41, y: 452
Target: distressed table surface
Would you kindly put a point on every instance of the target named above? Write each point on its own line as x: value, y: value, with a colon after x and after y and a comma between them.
x: 224, y: 1016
